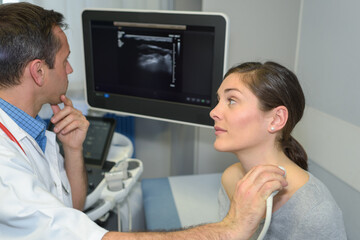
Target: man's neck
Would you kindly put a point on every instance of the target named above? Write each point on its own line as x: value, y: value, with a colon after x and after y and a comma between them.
x: 20, y: 98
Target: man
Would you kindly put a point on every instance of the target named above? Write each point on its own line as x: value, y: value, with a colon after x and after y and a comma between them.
x: 42, y: 193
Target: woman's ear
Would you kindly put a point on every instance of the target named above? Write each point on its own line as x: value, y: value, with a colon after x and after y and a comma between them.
x: 37, y: 71
x: 279, y: 119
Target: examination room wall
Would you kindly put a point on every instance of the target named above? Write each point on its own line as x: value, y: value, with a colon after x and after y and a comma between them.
x: 326, y: 59
x: 328, y: 67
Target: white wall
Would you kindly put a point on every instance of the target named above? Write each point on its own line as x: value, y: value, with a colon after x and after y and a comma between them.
x: 260, y: 30
x: 328, y: 67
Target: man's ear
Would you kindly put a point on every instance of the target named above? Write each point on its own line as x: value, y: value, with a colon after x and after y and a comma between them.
x: 37, y: 71
x: 279, y: 118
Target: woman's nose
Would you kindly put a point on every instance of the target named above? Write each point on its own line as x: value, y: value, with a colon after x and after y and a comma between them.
x: 213, y: 113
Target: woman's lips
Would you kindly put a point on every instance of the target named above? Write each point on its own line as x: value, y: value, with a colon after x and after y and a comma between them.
x: 219, y: 130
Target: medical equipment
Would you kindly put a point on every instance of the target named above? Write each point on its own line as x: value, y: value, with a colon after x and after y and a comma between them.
x: 117, y: 183
x: 269, y: 205
x: 163, y: 65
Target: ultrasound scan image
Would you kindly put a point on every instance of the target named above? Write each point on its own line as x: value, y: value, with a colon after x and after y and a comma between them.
x: 150, y: 61
x: 154, y: 58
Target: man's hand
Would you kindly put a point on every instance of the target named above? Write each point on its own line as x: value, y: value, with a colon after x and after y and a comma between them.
x: 70, y: 124
x: 249, y: 201
x: 71, y: 127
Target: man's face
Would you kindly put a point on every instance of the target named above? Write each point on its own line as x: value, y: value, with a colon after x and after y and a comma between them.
x: 57, y: 78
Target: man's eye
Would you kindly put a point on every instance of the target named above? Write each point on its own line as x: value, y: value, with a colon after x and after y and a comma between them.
x: 231, y: 101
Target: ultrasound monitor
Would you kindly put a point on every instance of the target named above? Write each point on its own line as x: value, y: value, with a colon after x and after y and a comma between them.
x: 164, y: 65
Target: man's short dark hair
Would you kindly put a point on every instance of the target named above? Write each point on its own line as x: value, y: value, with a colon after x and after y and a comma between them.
x: 26, y: 34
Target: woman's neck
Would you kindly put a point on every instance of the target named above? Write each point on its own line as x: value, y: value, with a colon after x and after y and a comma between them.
x: 295, y: 176
x: 251, y: 158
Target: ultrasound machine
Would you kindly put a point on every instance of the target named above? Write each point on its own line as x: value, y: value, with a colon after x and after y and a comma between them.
x: 162, y: 65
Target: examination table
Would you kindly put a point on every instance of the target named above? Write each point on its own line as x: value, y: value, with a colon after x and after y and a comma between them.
x: 180, y: 201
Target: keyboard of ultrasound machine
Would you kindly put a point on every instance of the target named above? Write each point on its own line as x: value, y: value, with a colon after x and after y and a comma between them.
x: 96, y: 174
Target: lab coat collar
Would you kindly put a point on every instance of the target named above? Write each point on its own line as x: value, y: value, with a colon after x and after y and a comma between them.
x: 18, y: 132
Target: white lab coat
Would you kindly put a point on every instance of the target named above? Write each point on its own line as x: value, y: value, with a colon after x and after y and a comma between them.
x: 35, y: 194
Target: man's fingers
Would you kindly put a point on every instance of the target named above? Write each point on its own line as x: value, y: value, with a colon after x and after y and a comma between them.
x: 267, y: 177
x: 55, y: 108
x: 255, y: 179
x: 70, y: 127
x: 263, y: 170
x: 62, y: 125
x: 68, y: 118
x: 67, y: 101
x: 269, y: 187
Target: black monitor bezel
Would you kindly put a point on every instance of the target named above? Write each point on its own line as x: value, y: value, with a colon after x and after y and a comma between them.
x: 143, y: 107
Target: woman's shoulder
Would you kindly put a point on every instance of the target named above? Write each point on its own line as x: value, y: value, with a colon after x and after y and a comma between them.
x: 319, y: 211
x: 314, y: 195
x: 317, y: 188
x: 231, y: 176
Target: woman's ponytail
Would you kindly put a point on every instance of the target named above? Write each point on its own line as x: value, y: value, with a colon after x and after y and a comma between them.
x: 295, y: 152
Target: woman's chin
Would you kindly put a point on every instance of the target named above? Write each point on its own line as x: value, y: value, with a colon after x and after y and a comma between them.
x: 220, y: 147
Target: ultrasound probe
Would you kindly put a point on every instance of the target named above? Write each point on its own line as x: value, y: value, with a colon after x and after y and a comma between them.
x: 269, y: 205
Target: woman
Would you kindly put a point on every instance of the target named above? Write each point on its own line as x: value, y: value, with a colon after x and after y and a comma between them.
x: 259, y: 105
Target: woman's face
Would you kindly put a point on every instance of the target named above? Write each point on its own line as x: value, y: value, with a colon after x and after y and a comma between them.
x: 239, y: 123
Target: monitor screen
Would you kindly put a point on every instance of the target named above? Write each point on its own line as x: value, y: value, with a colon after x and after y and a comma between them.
x: 164, y: 65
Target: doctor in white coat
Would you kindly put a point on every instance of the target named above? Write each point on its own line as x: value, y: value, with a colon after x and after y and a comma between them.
x: 42, y: 193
